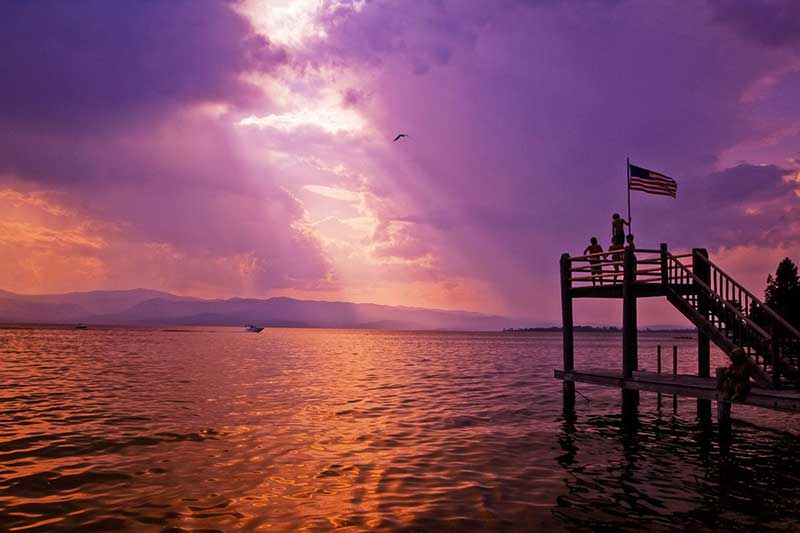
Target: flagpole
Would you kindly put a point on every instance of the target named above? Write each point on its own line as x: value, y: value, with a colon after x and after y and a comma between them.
x: 628, y: 167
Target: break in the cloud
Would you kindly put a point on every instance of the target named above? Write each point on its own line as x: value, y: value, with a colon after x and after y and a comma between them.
x: 124, y: 113
x: 246, y: 147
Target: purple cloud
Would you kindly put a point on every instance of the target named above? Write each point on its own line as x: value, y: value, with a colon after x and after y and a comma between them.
x: 743, y: 205
x: 102, y: 109
x: 520, y: 116
x: 768, y: 22
x: 74, y: 67
x: 520, y: 136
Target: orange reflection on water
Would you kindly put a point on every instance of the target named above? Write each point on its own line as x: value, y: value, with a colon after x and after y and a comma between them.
x: 313, y: 430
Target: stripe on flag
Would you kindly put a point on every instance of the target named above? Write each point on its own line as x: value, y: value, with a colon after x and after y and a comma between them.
x: 651, y: 182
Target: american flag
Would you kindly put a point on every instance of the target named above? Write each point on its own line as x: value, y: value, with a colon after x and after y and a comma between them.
x: 651, y: 182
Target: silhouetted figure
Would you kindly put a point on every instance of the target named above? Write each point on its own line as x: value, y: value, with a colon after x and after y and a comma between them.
x: 734, y: 381
x: 629, y: 242
x: 595, y: 262
x: 615, y: 251
x: 399, y: 136
x: 618, y: 229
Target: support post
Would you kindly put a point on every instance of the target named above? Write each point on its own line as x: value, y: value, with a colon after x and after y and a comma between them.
x: 674, y: 373
x: 724, y: 419
x: 776, y: 368
x: 630, y: 356
x: 702, y: 270
x: 664, y: 265
x: 567, y: 330
x: 658, y: 349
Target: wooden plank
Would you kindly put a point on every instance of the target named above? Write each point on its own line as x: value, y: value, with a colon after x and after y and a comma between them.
x: 642, y: 290
x: 603, y: 291
x: 682, y: 385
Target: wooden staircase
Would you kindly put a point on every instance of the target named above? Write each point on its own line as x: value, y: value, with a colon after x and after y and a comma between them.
x: 735, y: 320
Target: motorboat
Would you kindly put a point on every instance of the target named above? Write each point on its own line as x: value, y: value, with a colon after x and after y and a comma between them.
x: 250, y: 328
x: 81, y: 326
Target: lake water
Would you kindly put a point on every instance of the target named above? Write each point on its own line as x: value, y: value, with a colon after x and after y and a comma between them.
x: 315, y: 430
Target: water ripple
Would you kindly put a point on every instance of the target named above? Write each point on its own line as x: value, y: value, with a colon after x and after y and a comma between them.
x: 204, y: 430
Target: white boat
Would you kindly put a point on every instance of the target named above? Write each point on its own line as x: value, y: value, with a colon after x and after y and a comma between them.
x: 250, y: 328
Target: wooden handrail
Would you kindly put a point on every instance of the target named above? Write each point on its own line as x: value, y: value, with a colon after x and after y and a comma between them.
x: 594, y: 254
x: 650, y: 279
x: 592, y: 265
x: 586, y: 257
x: 586, y: 268
x: 608, y: 274
x: 768, y: 309
x: 599, y: 276
x: 648, y: 270
x: 697, y: 281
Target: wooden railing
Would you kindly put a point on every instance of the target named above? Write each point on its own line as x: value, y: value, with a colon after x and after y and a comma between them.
x: 786, y: 337
x: 606, y: 268
x: 721, y: 312
x: 746, y: 322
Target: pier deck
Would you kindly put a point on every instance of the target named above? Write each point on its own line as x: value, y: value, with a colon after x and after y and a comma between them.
x: 763, y: 347
x: 681, y: 385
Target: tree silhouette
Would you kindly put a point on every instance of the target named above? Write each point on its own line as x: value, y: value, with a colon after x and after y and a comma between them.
x: 783, y: 291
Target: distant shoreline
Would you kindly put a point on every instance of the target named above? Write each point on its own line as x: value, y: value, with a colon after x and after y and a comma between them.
x: 173, y: 328
x: 596, y: 329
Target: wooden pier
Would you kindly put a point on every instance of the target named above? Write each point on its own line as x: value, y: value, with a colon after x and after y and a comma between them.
x: 682, y: 385
x: 763, y: 347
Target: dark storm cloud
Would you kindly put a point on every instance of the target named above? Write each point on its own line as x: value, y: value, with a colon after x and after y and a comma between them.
x: 741, y: 205
x: 77, y: 66
x: 769, y: 22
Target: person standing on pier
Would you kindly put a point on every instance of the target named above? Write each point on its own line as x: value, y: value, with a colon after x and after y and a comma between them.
x: 615, y: 250
x: 618, y: 229
x: 629, y: 243
x: 596, y: 260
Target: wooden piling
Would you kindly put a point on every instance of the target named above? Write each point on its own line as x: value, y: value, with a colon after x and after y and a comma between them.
x: 724, y: 419
x: 723, y: 414
x: 658, y: 351
x: 702, y: 270
x: 567, y: 330
x: 630, y: 356
x: 674, y: 373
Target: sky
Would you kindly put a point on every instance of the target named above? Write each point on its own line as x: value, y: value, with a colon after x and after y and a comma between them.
x: 223, y: 149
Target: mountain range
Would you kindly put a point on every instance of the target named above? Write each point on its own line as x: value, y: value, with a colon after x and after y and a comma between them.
x: 149, y: 307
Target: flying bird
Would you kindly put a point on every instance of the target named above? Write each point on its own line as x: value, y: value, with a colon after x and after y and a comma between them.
x: 399, y: 136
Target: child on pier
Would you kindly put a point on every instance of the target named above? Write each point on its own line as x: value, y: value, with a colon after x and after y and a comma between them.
x: 596, y: 261
x: 615, y: 251
x: 618, y: 229
x: 629, y: 242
